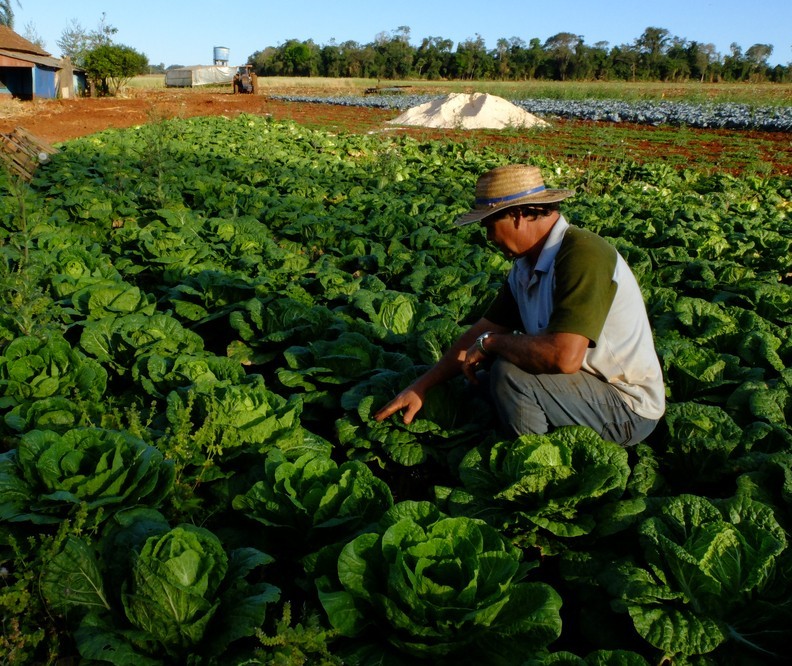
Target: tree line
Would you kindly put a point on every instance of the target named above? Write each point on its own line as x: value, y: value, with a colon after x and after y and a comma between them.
x: 656, y: 55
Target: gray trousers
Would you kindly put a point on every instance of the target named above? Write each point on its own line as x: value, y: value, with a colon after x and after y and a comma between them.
x: 534, y: 404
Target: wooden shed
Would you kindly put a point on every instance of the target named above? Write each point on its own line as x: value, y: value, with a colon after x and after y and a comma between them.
x: 29, y: 72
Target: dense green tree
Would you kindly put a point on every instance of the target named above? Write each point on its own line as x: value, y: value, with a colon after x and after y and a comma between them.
x: 533, y: 58
x: 110, y: 66
x: 652, y: 46
x: 357, y: 60
x: 702, y: 60
x: 261, y: 59
x: 625, y: 62
x: 590, y: 62
x: 394, y: 55
x: 299, y: 58
x: 561, y: 48
x: 367, y: 61
x: 503, y: 59
x: 292, y: 58
x: 675, y: 66
x: 515, y: 48
x: 331, y: 59
x: 433, y: 57
x: 600, y: 61
x: 735, y: 66
x: 472, y: 60
x: 757, y: 56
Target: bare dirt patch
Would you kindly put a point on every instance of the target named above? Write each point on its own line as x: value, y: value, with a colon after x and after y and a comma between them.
x: 737, y: 152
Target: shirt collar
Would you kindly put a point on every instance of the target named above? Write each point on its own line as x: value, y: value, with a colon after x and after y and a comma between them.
x: 550, y: 248
x: 552, y: 245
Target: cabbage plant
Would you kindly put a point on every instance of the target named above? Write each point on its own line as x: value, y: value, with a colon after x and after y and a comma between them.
x: 540, y: 487
x: 35, y: 369
x: 323, y: 365
x: 710, y: 575
x: 49, y: 474
x: 156, y: 594
x: 434, y: 586
x: 173, y: 591
x: 312, y: 502
x: 451, y: 416
x: 596, y: 658
x: 237, y: 414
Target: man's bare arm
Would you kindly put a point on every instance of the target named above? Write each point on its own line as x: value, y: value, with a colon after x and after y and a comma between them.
x: 411, y: 399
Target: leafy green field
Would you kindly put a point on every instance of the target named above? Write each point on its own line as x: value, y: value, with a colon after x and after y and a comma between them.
x: 200, y: 317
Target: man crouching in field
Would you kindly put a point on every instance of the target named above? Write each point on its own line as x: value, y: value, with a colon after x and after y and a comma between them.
x: 568, y: 336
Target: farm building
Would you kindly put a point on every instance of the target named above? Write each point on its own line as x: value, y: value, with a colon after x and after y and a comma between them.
x: 28, y: 72
x: 198, y: 75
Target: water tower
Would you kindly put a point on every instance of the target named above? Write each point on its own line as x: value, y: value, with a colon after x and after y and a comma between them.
x: 221, y: 56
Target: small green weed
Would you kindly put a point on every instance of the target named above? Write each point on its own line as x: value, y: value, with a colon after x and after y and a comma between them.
x: 296, y: 645
x: 29, y: 632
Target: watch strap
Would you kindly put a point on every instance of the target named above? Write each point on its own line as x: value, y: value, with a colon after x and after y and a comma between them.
x: 480, y: 343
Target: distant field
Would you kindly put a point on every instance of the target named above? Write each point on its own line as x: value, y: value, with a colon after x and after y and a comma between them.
x: 760, y: 94
x: 147, y: 81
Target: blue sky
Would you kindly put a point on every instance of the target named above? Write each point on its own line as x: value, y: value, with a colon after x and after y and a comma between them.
x: 186, y: 32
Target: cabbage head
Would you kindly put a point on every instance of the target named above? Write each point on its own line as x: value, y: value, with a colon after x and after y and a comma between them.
x: 312, y: 501
x: 150, y: 594
x: 44, y: 383
x: 49, y: 474
x: 711, y: 578
x: 238, y: 414
x: 451, y: 416
x: 435, y: 586
x: 540, y: 487
x: 175, y: 580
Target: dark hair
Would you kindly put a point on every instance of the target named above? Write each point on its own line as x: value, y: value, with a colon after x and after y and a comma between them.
x: 540, y: 209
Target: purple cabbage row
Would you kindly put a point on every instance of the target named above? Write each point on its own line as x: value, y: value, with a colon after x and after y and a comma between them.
x: 712, y: 116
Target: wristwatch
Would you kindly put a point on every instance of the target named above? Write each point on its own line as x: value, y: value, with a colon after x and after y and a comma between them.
x: 480, y: 342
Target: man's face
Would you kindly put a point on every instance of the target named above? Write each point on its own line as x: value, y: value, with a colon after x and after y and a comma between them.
x: 501, y: 230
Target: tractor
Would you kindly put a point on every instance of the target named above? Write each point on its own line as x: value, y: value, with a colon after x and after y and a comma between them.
x: 245, y: 80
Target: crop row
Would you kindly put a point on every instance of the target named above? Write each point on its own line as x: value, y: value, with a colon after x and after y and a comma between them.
x: 198, y: 319
x: 713, y: 116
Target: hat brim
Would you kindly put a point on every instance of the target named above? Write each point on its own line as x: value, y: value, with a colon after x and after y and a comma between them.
x: 482, y: 212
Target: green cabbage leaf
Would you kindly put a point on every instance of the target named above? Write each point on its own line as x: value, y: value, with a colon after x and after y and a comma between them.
x: 49, y: 475
x: 312, y: 502
x: 155, y: 591
x: 540, y: 487
x: 707, y: 577
x: 434, y: 586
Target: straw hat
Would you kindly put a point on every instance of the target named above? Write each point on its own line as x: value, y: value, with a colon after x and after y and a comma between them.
x: 507, y: 186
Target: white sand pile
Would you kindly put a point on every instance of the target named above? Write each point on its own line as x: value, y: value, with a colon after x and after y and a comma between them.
x: 469, y: 111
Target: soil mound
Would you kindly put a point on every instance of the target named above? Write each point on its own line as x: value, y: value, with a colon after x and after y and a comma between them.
x: 468, y: 111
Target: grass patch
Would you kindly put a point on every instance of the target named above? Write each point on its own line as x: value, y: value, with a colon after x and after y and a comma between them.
x: 147, y: 81
x: 760, y: 94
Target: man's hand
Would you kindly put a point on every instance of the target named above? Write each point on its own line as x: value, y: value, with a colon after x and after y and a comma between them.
x: 473, y: 359
x: 409, y: 400
x: 460, y: 356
